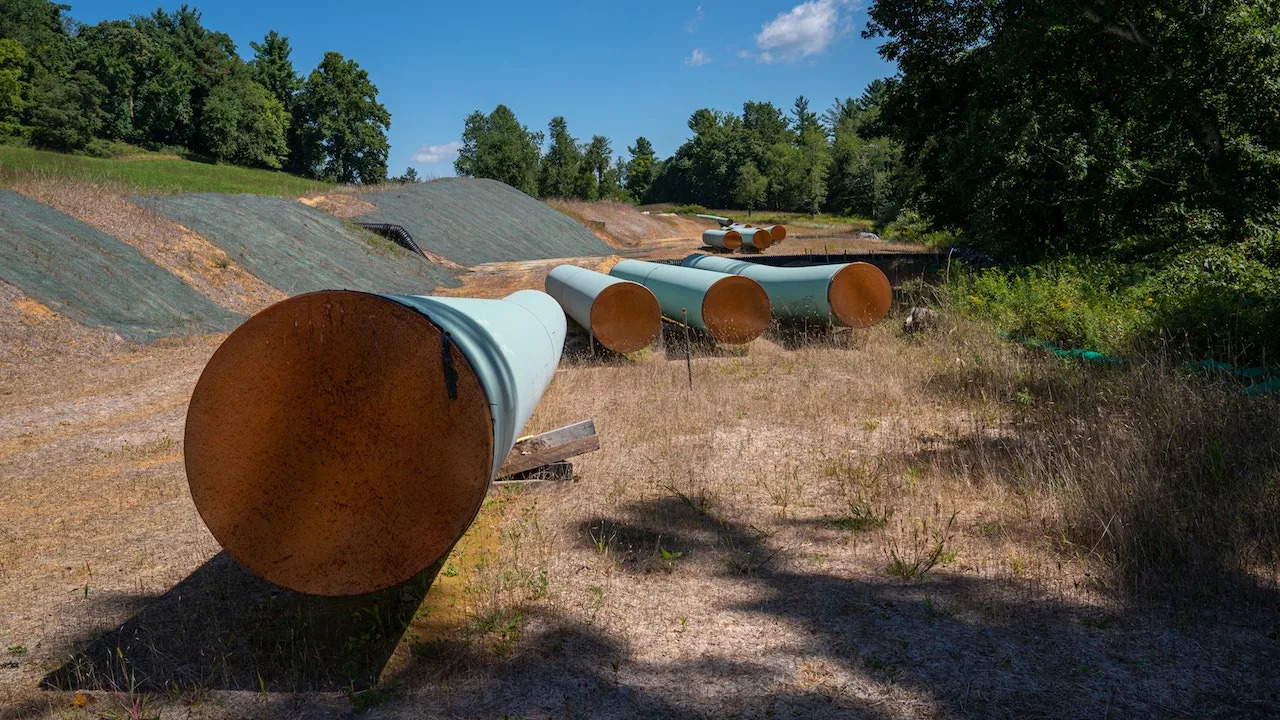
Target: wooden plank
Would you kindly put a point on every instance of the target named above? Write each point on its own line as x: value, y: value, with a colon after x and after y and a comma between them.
x: 549, y: 447
x: 555, y: 472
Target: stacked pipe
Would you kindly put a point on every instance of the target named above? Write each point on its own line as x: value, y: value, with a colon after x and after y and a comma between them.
x: 853, y: 294
x: 751, y: 236
x: 622, y: 316
x: 339, y: 442
x: 732, y: 309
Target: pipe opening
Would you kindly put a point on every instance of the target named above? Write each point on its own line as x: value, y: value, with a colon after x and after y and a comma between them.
x: 732, y: 240
x: 735, y: 310
x: 859, y: 295
x: 625, y: 317
x: 338, y: 443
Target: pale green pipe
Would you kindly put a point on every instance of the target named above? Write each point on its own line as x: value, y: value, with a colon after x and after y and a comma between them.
x: 724, y: 238
x: 621, y: 315
x: 731, y: 312
x: 851, y: 294
x: 513, y: 344
x: 724, y: 221
x: 756, y: 238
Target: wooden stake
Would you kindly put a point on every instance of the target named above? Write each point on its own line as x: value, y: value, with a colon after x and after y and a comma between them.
x: 688, y: 347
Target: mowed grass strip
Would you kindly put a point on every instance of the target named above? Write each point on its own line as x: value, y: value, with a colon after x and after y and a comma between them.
x: 151, y: 173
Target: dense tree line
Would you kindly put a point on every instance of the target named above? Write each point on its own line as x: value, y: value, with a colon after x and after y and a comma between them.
x: 1041, y: 127
x: 166, y: 81
x: 763, y: 158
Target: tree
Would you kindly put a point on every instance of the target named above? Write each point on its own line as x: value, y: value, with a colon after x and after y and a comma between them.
x: 343, y: 127
x: 1041, y: 127
x: 273, y: 69
x: 640, y: 169
x: 805, y: 119
x: 12, y: 59
x: 559, y: 178
x: 245, y: 124
x: 497, y: 146
x: 410, y: 176
x: 595, y: 164
x: 65, y: 112
x: 752, y: 188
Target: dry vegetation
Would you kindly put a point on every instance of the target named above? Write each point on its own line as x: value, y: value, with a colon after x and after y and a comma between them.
x: 623, y: 226
x: 191, y: 258
x: 867, y: 525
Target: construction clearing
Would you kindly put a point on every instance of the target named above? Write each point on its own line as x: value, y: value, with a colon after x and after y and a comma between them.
x: 280, y: 501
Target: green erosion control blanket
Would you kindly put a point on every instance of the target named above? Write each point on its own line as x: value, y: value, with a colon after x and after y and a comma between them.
x: 95, y: 279
x: 473, y: 221
x: 299, y: 249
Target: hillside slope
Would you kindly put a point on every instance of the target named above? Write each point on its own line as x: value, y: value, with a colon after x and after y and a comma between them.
x: 297, y: 248
x: 95, y: 279
x: 473, y: 221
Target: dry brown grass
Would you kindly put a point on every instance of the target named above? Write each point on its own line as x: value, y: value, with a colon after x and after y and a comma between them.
x: 339, y: 204
x: 194, y: 260
x: 624, y: 226
x: 1085, y: 542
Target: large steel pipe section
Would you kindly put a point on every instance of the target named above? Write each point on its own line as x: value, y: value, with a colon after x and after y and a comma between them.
x: 621, y: 315
x: 853, y: 294
x: 753, y: 237
x: 731, y: 308
x: 339, y: 442
x: 723, y: 239
x: 776, y: 232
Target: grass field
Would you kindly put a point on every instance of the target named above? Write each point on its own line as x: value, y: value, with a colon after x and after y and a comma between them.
x: 866, y: 525
x: 150, y: 173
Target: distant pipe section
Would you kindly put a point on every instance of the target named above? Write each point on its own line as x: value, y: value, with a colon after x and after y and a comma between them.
x: 853, y: 294
x: 731, y: 308
x: 723, y: 239
x: 723, y: 221
x: 623, y: 316
x: 339, y: 442
x: 753, y: 237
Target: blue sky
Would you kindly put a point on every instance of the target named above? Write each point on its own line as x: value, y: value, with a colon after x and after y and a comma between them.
x: 614, y: 69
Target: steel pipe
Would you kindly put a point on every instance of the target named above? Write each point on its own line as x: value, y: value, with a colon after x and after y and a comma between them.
x: 732, y: 309
x: 723, y: 239
x: 724, y: 221
x: 338, y: 443
x: 621, y: 315
x: 753, y: 237
x: 853, y: 294
x: 776, y: 232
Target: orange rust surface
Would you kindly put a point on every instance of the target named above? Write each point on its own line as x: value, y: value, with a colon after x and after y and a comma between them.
x: 859, y: 295
x: 625, y: 317
x: 735, y: 310
x: 337, y: 443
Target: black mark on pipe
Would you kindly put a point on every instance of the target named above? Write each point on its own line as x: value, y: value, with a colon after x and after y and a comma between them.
x: 446, y: 361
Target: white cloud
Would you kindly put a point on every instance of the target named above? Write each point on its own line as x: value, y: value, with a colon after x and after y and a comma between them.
x: 697, y: 58
x: 804, y: 30
x: 693, y: 24
x: 437, y: 153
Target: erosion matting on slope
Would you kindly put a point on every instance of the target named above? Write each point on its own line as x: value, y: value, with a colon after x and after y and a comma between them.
x: 93, y: 278
x: 297, y: 248
x: 474, y: 221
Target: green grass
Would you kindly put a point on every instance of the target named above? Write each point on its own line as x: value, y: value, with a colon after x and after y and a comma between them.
x: 151, y: 173
x: 826, y: 221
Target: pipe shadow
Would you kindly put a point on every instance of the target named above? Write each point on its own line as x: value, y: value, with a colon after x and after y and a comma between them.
x: 224, y: 628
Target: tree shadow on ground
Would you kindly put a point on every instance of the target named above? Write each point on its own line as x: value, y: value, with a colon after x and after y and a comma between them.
x: 967, y: 646
x: 223, y: 628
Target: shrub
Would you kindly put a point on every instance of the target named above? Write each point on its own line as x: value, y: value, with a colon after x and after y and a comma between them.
x: 693, y: 209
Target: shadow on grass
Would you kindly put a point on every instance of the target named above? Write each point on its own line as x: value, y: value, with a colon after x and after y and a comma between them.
x: 223, y: 628
x: 965, y: 646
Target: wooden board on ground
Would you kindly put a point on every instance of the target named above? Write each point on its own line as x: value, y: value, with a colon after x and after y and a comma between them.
x: 551, y: 447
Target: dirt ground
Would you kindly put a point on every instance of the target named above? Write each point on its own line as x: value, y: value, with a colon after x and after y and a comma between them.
x: 825, y: 525
x: 726, y: 553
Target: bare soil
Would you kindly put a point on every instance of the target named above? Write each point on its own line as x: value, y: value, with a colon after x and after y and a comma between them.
x: 729, y: 552
x: 194, y: 260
